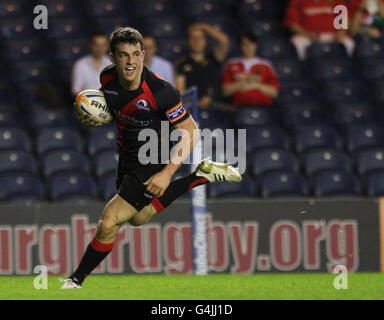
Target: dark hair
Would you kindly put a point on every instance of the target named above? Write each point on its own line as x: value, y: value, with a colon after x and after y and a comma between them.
x: 125, y: 34
x: 249, y: 35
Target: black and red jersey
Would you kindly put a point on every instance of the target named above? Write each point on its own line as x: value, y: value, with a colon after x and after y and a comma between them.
x: 144, y: 108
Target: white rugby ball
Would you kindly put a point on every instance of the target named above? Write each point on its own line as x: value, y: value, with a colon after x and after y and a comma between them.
x: 92, y: 104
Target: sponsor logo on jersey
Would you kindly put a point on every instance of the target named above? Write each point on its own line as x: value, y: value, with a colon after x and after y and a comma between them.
x: 176, y: 113
x: 142, y: 104
x: 111, y: 92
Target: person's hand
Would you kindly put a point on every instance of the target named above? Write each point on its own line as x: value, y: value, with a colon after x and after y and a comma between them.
x: 254, y: 77
x: 88, y: 121
x: 199, y: 25
x: 158, y: 183
x: 313, y: 36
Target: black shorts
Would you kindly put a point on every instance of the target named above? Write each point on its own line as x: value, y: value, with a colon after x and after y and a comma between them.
x: 130, y: 179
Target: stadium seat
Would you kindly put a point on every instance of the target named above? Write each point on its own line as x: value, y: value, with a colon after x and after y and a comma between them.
x: 263, y: 28
x: 58, y: 139
x: 14, y: 139
x: 304, y: 116
x: 212, y: 118
x: 76, y: 199
x: 283, y: 184
x: 105, y: 163
x: 101, y: 140
x: 14, y: 9
x: 68, y: 28
x: 109, y: 24
x: 246, y: 188
x: 28, y: 72
x: 70, y: 49
x: 259, y: 138
x: 297, y: 93
x: 276, y: 48
x: 196, y: 10
x: 289, y: 70
x: 352, y: 115
x: 321, y: 51
x: 257, y: 9
x: 374, y: 184
x: 62, y: 8
x: 23, y: 50
x: 369, y: 49
x: 372, y: 69
x: 108, y: 187
x: 17, y: 162
x: 65, y: 161
x: 43, y: 119
x: 316, y: 137
x: 106, y: 8
x: 343, y: 92
x: 331, y: 69
x: 335, y: 183
x: 25, y: 200
x: 273, y: 160
x: 9, y: 119
x: 18, y: 28
x: 171, y: 49
x: 18, y: 185
x: 64, y: 186
x: 158, y: 8
x: 165, y: 28
x: 377, y: 91
x: 361, y: 138
x: 370, y: 161
x: 324, y: 160
x: 256, y: 116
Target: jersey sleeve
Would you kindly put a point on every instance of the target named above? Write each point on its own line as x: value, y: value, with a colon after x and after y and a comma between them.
x: 106, y: 75
x: 170, y: 105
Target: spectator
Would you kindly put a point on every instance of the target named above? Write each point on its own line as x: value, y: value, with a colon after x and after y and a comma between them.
x: 250, y: 80
x: 313, y: 20
x: 86, y: 70
x: 203, y: 69
x: 158, y: 65
x: 367, y: 17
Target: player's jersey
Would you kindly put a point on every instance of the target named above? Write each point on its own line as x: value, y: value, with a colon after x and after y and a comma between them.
x: 144, y: 108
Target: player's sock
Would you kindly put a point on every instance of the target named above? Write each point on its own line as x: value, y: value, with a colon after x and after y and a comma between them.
x: 95, y: 253
x: 176, y: 189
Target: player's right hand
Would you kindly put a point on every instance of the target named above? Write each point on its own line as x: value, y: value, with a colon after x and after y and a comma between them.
x: 84, y: 119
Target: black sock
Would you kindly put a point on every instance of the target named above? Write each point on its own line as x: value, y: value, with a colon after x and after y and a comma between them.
x: 95, y: 253
x: 176, y: 189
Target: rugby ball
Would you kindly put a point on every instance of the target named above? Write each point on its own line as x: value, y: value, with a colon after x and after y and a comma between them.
x: 92, y: 104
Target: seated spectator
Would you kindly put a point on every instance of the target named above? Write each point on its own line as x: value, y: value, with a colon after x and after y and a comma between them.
x: 250, y: 80
x: 203, y: 69
x: 86, y: 70
x: 367, y: 17
x: 313, y: 20
x: 158, y: 65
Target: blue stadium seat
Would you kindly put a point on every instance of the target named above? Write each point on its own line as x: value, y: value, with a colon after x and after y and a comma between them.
x: 369, y: 49
x: 101, y: 140
x: 158, y: 8
x: 335, y: 183
x: 273, y: 160
x: 42, y: 119
x: 19, y: 185
x: 246, y: 188
x: 316, y: 137
x: 263, y: 28
x: 259, y: 138
x: 14, y: 9
x: 256, y: 116
x: 17, y: 161
x: 64, y: 186
x: 25, y: 200
x: 213, y: 118
x: 304, y: 116
x: 171, y: 49
x: 57, y: 139
x: 14, y: 139
x: 353, y: 115
x: 62, y: 8
x: 18, y: 29
x: 165, y: 28
x: 76, y: 199
x: 372, y: 69
x: 105, y: 163
x: 276, y: 48
x: 283, y: 184
x: 374, y: 184
x: 320, y: 51
x: 196, y: 10
x: 23, y: 50
x: 108, y: 187
x: 289, y: 70
x: 297, y: 93
x: 332, y: 69
x: 23, y: 72
x: 65, y: 161
x: 377, y: 91
x: 70, y: 49
x: 343, y: 92
x: 370, y: 161
x: 68, y: 28
x: 257, y: 9
x: 361, y: 138
x: 110, y: 24
x: 324, y: 160
x: 9, y: 119
x: 106, y: 8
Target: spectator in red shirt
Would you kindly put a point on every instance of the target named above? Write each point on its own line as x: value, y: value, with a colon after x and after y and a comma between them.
x: 250, y: 80
x: 367, y: 17
x: 313, y: 20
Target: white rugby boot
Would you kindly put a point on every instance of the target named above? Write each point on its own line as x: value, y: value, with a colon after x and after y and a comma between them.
x: 217, y: 171
x: 69, y: 284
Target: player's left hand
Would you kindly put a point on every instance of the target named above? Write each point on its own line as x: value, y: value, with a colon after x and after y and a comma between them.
x: 158, y: 183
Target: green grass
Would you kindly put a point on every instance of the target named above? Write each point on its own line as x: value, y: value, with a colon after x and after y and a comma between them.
x: 181, y: 287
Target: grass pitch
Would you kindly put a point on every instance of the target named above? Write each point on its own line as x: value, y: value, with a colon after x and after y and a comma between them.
x: 313, y: 286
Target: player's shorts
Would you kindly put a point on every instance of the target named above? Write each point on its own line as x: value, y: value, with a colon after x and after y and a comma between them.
x: 130, y: 179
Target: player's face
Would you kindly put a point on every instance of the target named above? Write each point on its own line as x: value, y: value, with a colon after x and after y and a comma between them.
x: 196, y: 40
x: 248, y: 48
x: 128, y: 59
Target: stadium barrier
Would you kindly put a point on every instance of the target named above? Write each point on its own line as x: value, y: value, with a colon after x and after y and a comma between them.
x: 244, y: 236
